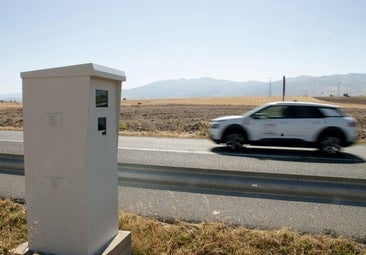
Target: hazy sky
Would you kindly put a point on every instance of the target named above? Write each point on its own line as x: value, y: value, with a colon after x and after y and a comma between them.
x: 155, y: 40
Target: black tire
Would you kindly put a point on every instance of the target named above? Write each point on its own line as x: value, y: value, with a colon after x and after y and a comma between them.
x: 234, y: 141
x: 330, y: 144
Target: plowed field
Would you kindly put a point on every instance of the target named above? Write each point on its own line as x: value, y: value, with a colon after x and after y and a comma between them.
x: 188, y: 117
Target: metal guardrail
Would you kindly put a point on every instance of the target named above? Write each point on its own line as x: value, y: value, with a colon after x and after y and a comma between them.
x: 238, y: 183
x: 12, y: 163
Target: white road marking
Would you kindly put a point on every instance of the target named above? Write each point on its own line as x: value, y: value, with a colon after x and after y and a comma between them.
x: 12, y: 141
x: 165, y: 150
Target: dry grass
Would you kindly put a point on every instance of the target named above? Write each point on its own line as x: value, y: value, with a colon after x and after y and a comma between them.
x: 150, y: 236
x: 9, y: 105
x: 13, y: 229
x: 153, y: 237
x: 247, y: 100
x: 346, y: 102
x: 11, y: 118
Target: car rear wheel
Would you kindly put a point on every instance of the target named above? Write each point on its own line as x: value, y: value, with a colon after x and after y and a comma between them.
x: 235, y: 141
x: 330, y: 144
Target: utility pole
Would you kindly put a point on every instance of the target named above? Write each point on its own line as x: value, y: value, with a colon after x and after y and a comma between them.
x: 270, y: 86
x: 283, y: 88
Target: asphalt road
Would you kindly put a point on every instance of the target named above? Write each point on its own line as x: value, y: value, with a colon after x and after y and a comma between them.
x: 201, y: 153
x: 198, y: 153
x: 248, y: 211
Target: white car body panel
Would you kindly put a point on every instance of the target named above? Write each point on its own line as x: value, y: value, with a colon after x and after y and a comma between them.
x: 307, y: 129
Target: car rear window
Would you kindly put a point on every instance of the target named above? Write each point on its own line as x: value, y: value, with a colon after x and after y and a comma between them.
x: 333, y: 112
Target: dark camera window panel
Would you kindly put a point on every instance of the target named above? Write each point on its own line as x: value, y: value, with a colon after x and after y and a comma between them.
x: 102, y: 125
x: 101, y: 98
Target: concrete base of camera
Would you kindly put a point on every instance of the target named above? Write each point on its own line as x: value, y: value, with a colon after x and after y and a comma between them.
x: 119, y: 245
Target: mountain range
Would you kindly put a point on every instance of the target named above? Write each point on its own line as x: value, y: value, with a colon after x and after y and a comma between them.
x: 353, y: 84
x: 336, y: 85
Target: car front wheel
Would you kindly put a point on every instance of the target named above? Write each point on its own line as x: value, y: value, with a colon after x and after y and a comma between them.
x: 235, y: 141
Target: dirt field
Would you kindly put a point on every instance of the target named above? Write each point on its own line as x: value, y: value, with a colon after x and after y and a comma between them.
x: 189, y: 117
x: 11, y: 115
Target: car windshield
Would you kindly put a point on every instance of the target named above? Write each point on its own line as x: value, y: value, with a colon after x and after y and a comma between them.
x: 256, y: 109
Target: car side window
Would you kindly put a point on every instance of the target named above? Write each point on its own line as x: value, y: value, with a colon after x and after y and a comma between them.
x: 308, y: 112
x: 289, y: 112
x: 270, y: 112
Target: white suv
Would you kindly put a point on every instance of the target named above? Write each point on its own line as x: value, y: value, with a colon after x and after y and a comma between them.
x: 290, y: 124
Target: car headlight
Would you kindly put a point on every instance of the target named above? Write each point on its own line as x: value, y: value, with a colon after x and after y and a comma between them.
x: 214, y: 125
